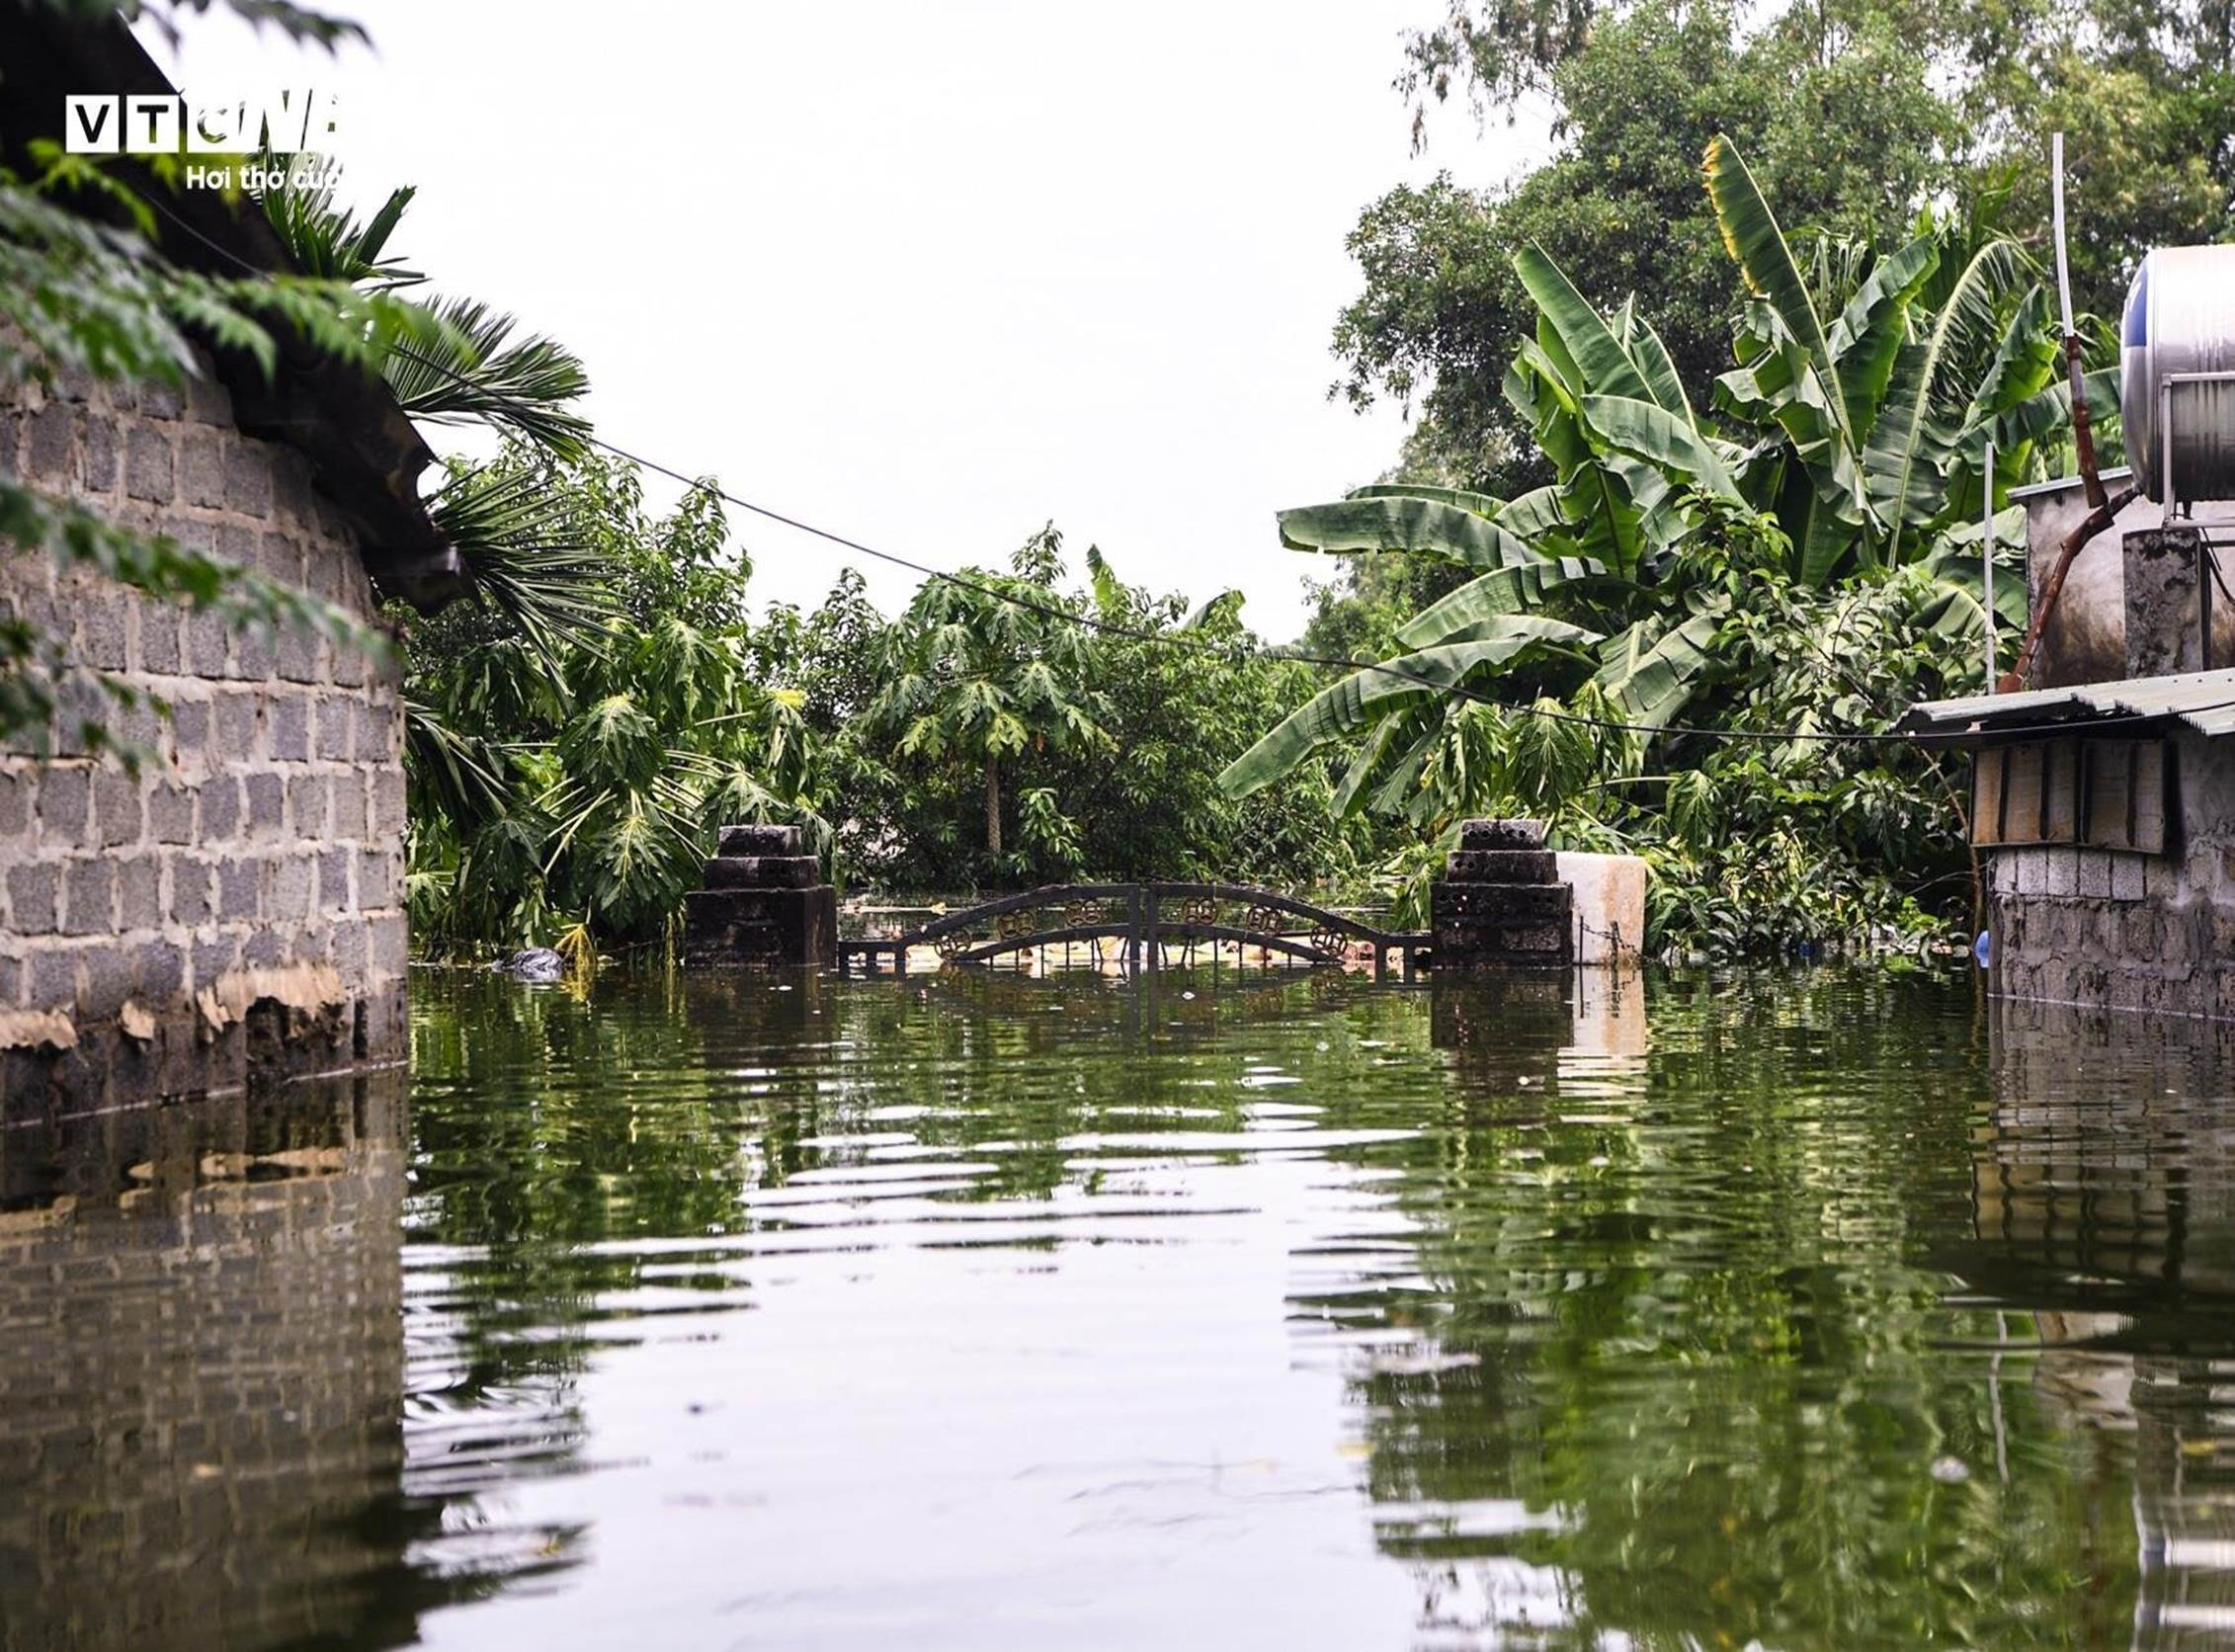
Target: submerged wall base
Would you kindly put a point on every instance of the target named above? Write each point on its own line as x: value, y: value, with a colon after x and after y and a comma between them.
x: 2109, y: 930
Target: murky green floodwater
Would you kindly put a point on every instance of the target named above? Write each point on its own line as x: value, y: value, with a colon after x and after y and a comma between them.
x: 991, y: 1312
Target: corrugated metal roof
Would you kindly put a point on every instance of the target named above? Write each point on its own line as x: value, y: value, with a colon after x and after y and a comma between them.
x: 2065, y: 484
x: 2203, y: 700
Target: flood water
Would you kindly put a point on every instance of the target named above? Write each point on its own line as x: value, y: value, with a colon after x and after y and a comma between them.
x: 971, y: 1311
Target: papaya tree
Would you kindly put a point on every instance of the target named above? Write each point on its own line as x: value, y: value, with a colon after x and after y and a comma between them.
x: 990, y: 666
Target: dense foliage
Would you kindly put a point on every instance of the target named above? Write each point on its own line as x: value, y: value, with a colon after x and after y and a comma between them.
x: 1691, y: 640
x: 567, y: 788
x: 566, y: 785
x: 1852, y: 113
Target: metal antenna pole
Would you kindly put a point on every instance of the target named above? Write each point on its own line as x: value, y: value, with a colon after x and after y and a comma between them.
x: 2057, y: 216
x: 2101, y: 508
x: 1987, y: 562
x: 2083, y: 435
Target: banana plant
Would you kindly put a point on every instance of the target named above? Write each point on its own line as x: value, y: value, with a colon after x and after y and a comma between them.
x: 1845, y: 442
x: 1872, y: 426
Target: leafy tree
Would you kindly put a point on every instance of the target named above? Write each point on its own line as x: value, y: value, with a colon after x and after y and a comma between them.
x: 568, y: 785
x: 1853, y: 114
x: 984, y: 672
x: 1187, y: 689
x: 1177, y: 692
x: 1845, y: 143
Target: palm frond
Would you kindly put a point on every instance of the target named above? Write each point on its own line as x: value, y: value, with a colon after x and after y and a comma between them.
x: 475, y: 374
x: 327, y: 240
x: 524, y: 553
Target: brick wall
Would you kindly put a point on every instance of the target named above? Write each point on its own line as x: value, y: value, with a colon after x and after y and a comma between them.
x: 268, y: 835
x: 202, y: 1373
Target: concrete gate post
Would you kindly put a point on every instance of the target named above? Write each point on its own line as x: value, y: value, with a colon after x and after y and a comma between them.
x: 763, y: 905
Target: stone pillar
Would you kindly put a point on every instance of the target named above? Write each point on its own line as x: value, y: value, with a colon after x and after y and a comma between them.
x: 1607, y: 894
x: 763, y: 905
x: 1501, y: 900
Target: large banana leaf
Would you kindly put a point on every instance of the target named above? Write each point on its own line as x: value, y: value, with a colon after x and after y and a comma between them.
x: 1750, y: 230
x: 1597, y: 356
x: 1873, y: 327
x: 1456, y: 616
x: 1905, y: 459
x: 1594, y: 499
x: 1779, y: 385
x: 1371, y: 692
x: 1533, y: 515
x: 1823, y: 540
x: 1481, y: 504
x: 1535, y: 389
x: 1791, y: 368
x: 2048, y: 412
x: 1650, y: 670
x: 1657, y: 369
x: 1957, y: 605
x: 1392, y: 735
x: 1391, y: 761
x: 1403, y: 523
x: 2025, y: 359
x: 1653, y: 434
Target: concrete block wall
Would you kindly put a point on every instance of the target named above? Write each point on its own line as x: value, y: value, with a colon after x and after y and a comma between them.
x: 268, y: 831
x: 2109, y: 931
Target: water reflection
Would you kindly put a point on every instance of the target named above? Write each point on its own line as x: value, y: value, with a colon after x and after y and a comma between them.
x: 1684, y: 1370
x: 201, y: 1375
x: 1213, y: 1309
x: 2105, y: 1209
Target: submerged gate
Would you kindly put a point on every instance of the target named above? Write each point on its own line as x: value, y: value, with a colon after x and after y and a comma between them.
x: 1143, y: 919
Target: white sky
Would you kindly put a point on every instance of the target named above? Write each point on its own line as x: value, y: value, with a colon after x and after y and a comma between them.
x: 925, y: 274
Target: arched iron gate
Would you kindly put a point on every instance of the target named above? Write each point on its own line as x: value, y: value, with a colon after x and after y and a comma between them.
x: 1143, y: 919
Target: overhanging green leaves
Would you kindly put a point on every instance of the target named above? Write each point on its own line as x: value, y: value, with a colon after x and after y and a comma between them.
x: 1364, y: 696
x: 1650, y: 670
x: 1605, y: 369
x: 1653, y: 434
x: 1403, y: 523
x: 1491, y: 597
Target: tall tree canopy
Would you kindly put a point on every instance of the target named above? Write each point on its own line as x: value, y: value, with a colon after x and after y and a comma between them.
x: 1852, y: 113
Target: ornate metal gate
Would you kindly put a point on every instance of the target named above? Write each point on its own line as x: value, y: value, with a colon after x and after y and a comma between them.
x: 1143, y: 919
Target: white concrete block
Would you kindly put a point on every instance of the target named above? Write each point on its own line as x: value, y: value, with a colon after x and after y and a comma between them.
x: 1610, y: 905
x: 1608, y: 1018
x: 2126, y: 877
x: 2095, y: 874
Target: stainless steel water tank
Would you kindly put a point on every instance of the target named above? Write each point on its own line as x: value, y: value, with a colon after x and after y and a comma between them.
x: 2180, y: 319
